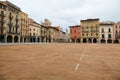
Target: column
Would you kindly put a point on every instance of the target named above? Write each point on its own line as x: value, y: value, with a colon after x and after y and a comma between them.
x: 36, y: 39
x: 5, y: 38
x: 12, y: 39
x: 22, y: 40
x: 81, y: 40
x: 92, y: 40
x: 18, y: 39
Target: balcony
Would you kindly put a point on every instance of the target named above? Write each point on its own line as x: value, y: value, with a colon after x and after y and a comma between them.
x: 17, y: 25
x: 2, y: 21
x: 11, y: 17
x: 10, y: 24
x: 2, y: 14
x: 2, y: 27
x: 17, y: 19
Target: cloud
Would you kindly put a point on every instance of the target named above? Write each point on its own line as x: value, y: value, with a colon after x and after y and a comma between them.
x: 70, y: 12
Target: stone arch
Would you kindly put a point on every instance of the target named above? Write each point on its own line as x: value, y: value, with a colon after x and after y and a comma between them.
x: 89, y: 40
x: 9, y: 38
x: 2, y: 38
x: 73, y: 40
x: 84, y: 40
x: 103, y: 41
x: 78, y: 40
x: 94, y: 40
x: 16, y: 39
x: 109, y: 41
x: 116, y: 41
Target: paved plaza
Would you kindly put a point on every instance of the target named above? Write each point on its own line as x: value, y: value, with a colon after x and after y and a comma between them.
x: 60, y: 62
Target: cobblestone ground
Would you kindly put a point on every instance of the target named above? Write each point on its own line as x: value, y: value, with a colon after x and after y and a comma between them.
x: 60, y: 62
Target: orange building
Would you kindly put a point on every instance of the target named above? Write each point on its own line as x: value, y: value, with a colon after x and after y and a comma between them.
x: 75, y: 33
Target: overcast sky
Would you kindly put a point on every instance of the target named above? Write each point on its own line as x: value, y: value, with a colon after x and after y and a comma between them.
x: 65, y: 13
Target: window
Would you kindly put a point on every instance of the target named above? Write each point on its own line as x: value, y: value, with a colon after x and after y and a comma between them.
x: 4, y: 8
x: 33, y: 29
x: 0, y: 6
x: 78, y: 29
x: 109, y: 35
x: 30, y: 34
x: 91, y: 28
x: 116, y: 32
x: 33, y: 34
x: 82, y: 34
x: 83, y: 29
x: 102, y: 30
x: 96, y: 28
x: 86, y: 34
x: 109, y: 30
x: 103, y: 36
x: 116, y: 26
x: 96, y: 34
x: 87, y: 28
x: 70, y: 30
x: 74, y: 29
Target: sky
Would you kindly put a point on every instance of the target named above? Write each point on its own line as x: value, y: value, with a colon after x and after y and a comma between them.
x: 66, y: 13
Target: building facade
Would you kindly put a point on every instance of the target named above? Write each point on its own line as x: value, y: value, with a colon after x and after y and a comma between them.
x: 75, y: 33
x: 34, y: 32
x: 44, y: 33
x: 90, y: 31
x: 117, y: 32
x: 46, y: 23
x: 107, y: 32
x: 24, y: 35
x: 3, y: 9
x: 10, y: 22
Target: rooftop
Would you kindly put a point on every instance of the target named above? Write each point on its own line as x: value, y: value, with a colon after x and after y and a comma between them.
x: 90, y: 20
x: 75, y: 26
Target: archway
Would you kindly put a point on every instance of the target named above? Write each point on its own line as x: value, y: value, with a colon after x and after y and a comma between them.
x: 84, y: 40
x: 49, y: 40
x: 21, y: 40
x: 38, y: 40
x: 73, y: 40
x: 9, y: 39
x: 94, y: 40
x: 42, y: 39
x: 78, y: 40
x: 89, y: 40
x: 116, y: 41
x: 16, y: 39
x: 103, y: 41
x: 109, y: 41
x: 34, y: 39
x: 2, y: 39
x: 24, y: 39
x: 31, y: 40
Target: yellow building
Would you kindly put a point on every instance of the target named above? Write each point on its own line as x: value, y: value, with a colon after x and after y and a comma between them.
x: 3, y: 8
x: 90, y: 31
x: 10, y: 22
x: 24, y: 27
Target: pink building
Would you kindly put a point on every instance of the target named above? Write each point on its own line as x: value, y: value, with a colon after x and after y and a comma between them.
x: 117, y: 32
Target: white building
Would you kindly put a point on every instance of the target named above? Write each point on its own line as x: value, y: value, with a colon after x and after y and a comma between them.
x: 35, y: 32
x: 106, y: 32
